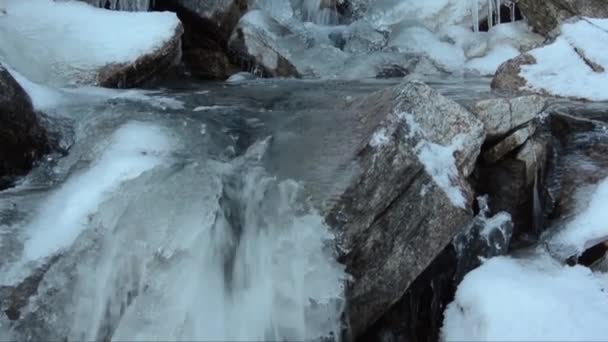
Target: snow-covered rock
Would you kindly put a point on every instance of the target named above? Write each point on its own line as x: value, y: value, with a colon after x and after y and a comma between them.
x: 574, y: 65
x: 546, y: 15
x: 81, y: 44
x: 22, y: 139
x: 410, y: 196
x: 255, y: 44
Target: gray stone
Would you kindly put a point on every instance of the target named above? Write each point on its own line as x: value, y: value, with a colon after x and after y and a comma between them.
x: 254, y: 43
x: 501, y: 115
x: 22, y: 139
x: 545, y: 16
x: 397, y: 213
x: 507, y: 76
x: 510, y: 143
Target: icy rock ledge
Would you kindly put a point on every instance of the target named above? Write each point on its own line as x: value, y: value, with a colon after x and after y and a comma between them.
x: 80, y: 44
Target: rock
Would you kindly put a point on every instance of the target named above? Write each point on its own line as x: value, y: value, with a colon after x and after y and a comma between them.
x: 513, y: 182
x: 410, y: 197
x: 127, y: 75
x: 507, y: 76
x: 22, y: 139
x: 502, y: 115
x: 510, y: 143
x: 207, y: 25
x: 545, y: 16
x: 254, y: 44
x: 583, y: 159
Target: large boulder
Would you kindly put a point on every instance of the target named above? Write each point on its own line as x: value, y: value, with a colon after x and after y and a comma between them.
x: 410, y: 196
x: 208, y: 25
x: 255, y: 44
x: 22, y: 139
x: 545, y: 16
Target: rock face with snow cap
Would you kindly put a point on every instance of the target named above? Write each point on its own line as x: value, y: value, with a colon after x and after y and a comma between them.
x: 149, y: 65
x: 22, y: 139
x: 409, y: 199
x: 545, y: 16
x: 254, y: 43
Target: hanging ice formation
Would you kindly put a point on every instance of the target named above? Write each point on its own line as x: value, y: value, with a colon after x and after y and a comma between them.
x: 493, y: 12
x: 122, y: 5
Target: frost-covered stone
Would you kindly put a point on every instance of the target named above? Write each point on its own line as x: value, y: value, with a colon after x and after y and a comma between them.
x: 254, y: 43
x: 410, y: 197
x: 22, y: 139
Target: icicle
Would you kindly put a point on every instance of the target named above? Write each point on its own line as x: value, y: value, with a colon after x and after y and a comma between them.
x: 497, y: 8
x: 475, y: 14
x: 512, y: 8
x: 490, y: 13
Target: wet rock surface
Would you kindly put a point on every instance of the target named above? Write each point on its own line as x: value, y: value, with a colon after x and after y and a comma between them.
x: 256, y: 48
x: 23, y: 140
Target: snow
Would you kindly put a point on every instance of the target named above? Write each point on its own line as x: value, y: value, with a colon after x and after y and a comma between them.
x: 531, y: 299
x: 440, y: 164
x: 133, y: 149
x: 68, y: 46
x: 488, y: 64
x: 379, y: 138
x: 589, y: 227
x: 561, y: 71
x: 535, y: 297
x: 417, y: 39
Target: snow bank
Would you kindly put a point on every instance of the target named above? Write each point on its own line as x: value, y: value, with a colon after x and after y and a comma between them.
x: 564, y: 68
x: 535, y: 299
x: 60, y: 43
x: 132, y: 149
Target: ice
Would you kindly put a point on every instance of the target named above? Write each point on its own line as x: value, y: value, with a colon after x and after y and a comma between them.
x: 563, y: 67
x: 588, y: 228
x: 530, y: 299
x: 68, y: 46
x: 132, y: 149
x: 122, y: 5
